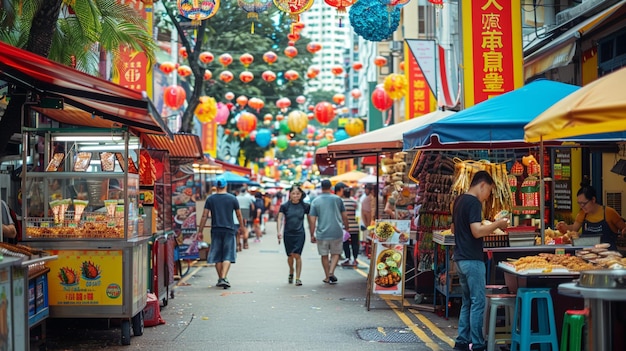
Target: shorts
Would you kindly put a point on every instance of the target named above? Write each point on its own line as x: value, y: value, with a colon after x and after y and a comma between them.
x: 334, y: 247
x: 223, y: 246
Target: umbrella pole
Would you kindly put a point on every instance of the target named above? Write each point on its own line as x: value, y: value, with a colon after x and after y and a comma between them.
x: 377, y: 186
x: 542, y: 192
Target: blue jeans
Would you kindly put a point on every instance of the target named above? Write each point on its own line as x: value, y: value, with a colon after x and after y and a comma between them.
x: 472, y: 278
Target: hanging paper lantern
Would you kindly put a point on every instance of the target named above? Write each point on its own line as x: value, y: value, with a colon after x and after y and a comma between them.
x: 252, y: 135
x: 283, y: 103
x: 311, y: 74
x: 197, y: 11
x: 380, y: 99
x: 270, y: 57
x: 341, y: 6
x: 323, y: 143
x: 246, y: 76
x: 357, y: 66
x: 282, y: 142
x: 184, y: 71
x: 336, y: 70
x: 229, y: 96
x: 291, y: 75
x: 354, y: 126
x: 297, y: 121
x: 247, y: 122
x: 182, y: 52
x: 283, y: 127
x: 301, y: 99
x: 225, y: 59
x: 207, y: 75
x: 341, y: 134
x: 280, y: 117
x: 324, y: 112
x: 222, y: 113
x: 293, y: 143
x: 380, y: 61
x: 206, y: 57
x: 256, y: 104
x: 356, y: 93
x: 293, y: 7
x: 313, y: 47
x: 242, y: 101
x: 268, y: 76
x: 395, y: 85
x: 294, y: 37
x: 263, y: 137
x: 291, y: 51
x: 402, y: 66
x: 246, y: 59
x: 206, y: 109
x: 167, y: 67
x: 268, y: 117
x: 254, y: 8
x: 174, y: 96
x: 339, y: 98
x: 372, y: 20
x: 297, y: 26
x: 226, y: 76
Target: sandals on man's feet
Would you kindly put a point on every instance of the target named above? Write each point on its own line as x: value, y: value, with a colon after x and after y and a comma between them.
x: 290, y: 279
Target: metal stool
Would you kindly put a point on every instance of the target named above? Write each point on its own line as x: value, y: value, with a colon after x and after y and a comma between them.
x: 572, y: 335
x: 522, y: 335
x: 497, y: 335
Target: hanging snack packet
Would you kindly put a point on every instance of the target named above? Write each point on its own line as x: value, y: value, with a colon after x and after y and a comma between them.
x: 55, y: 162
x: 107, y: 161
x: 82, y: 161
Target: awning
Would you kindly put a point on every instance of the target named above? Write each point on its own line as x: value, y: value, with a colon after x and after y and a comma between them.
x: 560, y: 51
x: 387, y: 139
x: 88, y: 100
x: 243, y: 171
x: 182, y: 146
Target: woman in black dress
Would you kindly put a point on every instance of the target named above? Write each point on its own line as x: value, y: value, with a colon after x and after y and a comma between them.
x: 291, y: 227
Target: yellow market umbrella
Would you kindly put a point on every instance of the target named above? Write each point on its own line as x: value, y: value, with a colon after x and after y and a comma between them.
x: 348, y: 177
x: 598, y: 107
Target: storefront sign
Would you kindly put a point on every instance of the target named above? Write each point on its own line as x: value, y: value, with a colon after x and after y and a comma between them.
x: 420, y: 69
x: 562, y: 175
x: 85, y: 277
x: 492, y: 49
x: 209, y: 138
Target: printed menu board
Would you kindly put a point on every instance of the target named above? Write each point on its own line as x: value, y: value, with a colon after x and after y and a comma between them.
x: 562, y: 175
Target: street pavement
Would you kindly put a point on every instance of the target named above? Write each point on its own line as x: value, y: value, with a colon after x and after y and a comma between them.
x: 263, y: 312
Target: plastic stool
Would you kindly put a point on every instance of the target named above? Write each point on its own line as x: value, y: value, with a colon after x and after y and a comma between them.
x: 522, y: 335
x: 503, y: 334
x: 572, y: 334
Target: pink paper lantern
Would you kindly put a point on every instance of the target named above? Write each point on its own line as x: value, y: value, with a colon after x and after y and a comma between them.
x: 222, y: 113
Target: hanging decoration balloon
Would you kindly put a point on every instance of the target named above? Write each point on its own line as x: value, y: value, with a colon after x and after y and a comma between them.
x: 242, y: 101
x: 246, y: 76
x: 293, y: 7
x: 324, y: 112
x: 225, y: 59
x: 357, y: 66
x: 222, y: 113
x: 270, y: 57
x: 395, y: 85
x: 207, y: 75
x: 246, y: 122
x: 354, y: 126
x: 341, y: 6
x: 380, y: 61
x: 182, y: 52
x: 341, y: 134
x: 282, y: 142
x: 229, y: 95
x: 291, y: 51
x: 206, y: 57
x: 174, y: 96
x: 184, y: 71
x: 313, y: 47
x: 206, y: 109
x: 301, y: 99
x: 197, y: 11
x: 297, y: 121
x: 254, y: 8
x: 291, y: 75
x: 268, y: 76
x: 226, y: 76
x: 246, y: 59
x: 355, y: 93
x: 336, y: 70
x: 256, y: 104
x: 339, y: 98
x: 263, y: 137
x: 167, y: 67
x: 371, y: 20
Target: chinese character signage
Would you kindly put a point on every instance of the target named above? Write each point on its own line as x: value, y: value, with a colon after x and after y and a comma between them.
x: 492, y: 49
x: 209, y: 138
x: 421, y: 75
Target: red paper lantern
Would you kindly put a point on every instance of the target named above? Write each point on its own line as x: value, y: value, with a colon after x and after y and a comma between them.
x: 268, y: 76
x: 184, y: 71
x: 381, y: 100
x: 270, y: 57
x: 268, y: 117
x: 229, y: 96
x: 283, y: 103
x: 174, y: 96
x: 336, y: 70
x: 246, y: 59
x: 167, y: 67
x: 324, y: 112
x: 207, y: 75
x: 312, y: 72
x: 340, y: 4
x: 182, y: 52
x: 246, y: 76
x: 356, y: 93
x: 301, y: 99
x: 402, y: 66
x: 280, y: 117
x: 357, y: 66
x: 339, y: 98
x: 247, y: 122
x: 226, y: 76
x: 242, y: 101
x: 291, y: 51
x: 256, y: 104
x: 291, y: 75
x: 297, y: 26
x: 380, y: 61
x: 205, y: 57
x: 313, y: 47
x: 225, y: 59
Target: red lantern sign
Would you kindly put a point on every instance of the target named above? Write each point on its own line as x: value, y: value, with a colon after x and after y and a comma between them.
x: 247, y: 122
x: 246, y: 59
x: 380, y: 61
x: 291, y: 75
x: 313, y: 47
x: 246, y: 76
x: 226, y: 76
x: 225, y: 59
x: 336, y: 70
x: 206, y: 57
x: 167, y: 67
x: 174, y: 96
x: 381, y: 100
x: 291, y: 51
x: 324, y: 112
x: 207, y: 75
x: 268, y: 76
x: 270, y: 57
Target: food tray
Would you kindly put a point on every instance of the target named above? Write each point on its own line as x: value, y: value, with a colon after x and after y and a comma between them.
x: 443, y: 239
x: 92, y: 225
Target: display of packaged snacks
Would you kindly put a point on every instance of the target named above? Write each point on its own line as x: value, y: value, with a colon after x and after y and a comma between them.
x: 107, y: 161
x: 79, y: 208
x: 55, y: 162
x: 110, y: 206
x: 120, y: 160
x: 82, y: 161
x: 132, y: 168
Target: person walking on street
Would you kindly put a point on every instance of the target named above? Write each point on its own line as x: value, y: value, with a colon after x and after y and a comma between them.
x: 257, y: 221
x: 353, y: 243
x: 220, y: 207
x: 290, y: 224
x: 468, y: 255
x: 246, y: 204
x: 327, y: 220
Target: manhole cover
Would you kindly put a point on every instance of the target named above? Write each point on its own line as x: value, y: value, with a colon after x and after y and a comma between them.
x: 390, y: 335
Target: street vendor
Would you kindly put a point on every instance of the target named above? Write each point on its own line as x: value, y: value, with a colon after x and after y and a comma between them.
x: 594, y: 218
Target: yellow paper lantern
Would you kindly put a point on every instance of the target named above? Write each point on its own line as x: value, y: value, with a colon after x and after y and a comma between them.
x: 354, y: 126
x: 395, y: 86
x: 297, y: 121
x: 206, y: 109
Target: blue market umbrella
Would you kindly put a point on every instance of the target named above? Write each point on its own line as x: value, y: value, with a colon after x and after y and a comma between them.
x: 232, y: 178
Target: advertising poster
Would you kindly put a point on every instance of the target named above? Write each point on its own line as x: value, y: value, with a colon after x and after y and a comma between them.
x: 184, y: 197
x: 85, y: 277
x: 392, y: 231
x: 388, y: 275
x: 6, y: 334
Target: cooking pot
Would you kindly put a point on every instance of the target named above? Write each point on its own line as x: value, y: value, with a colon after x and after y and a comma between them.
x: 603, y: 279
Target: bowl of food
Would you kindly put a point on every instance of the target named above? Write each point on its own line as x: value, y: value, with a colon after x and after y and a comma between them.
x: 388, y: 268
x: 384, y: 231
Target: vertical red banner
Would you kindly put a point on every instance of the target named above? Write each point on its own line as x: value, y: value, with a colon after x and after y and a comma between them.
x: 208, y: 138
x: 133, y: 73
x: 492, y: 49
x: 419, y: 58
x: 419, y: 93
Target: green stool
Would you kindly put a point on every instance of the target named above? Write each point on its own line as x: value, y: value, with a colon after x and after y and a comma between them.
x: 572, y: 334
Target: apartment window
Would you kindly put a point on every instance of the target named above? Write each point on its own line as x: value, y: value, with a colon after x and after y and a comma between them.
x: 421, y: 19
x: 612, y: 53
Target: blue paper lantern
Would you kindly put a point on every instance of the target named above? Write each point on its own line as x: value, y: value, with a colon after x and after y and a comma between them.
x: 263, y: 137
x: 341, y: 134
